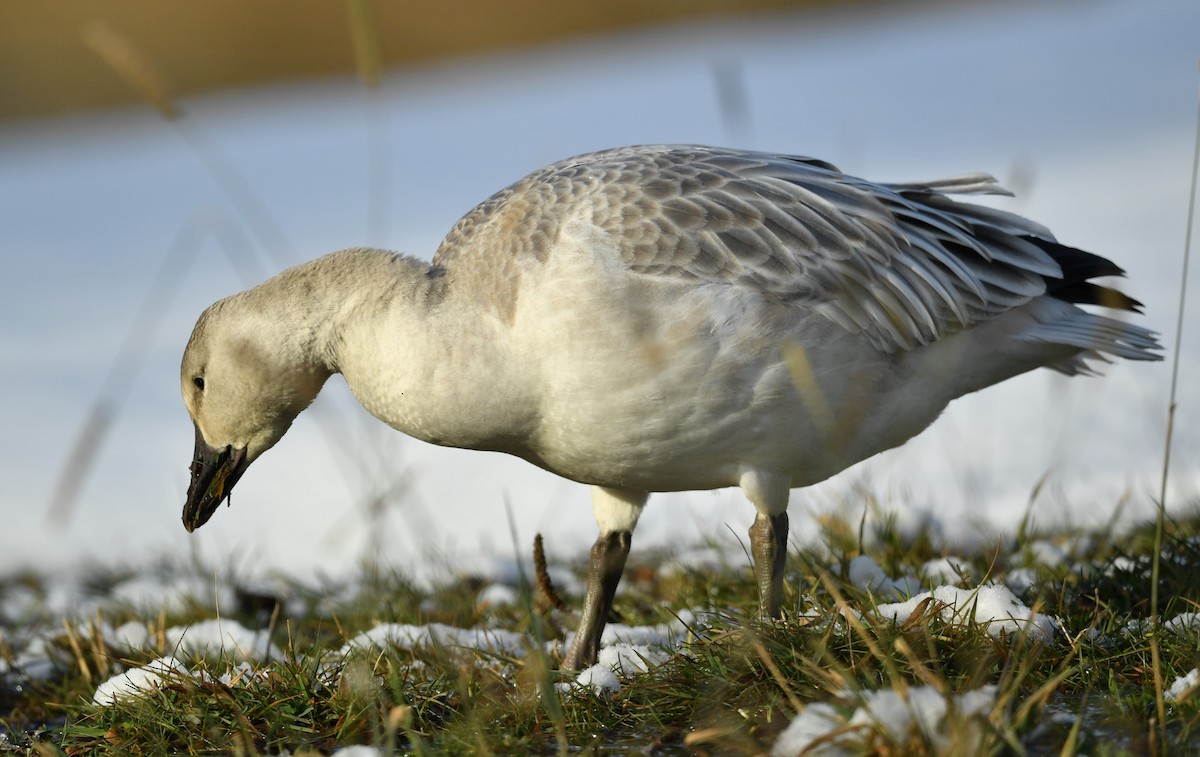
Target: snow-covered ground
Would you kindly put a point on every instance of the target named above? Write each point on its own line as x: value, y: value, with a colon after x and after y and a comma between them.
x: 223, y: 650
x: 1084, y: 109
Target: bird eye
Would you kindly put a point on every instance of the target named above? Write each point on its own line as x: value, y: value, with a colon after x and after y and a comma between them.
x: 199, y: 382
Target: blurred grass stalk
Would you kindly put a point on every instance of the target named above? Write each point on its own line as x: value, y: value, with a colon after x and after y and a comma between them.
x: 115, y: 50
x: 120, y: 53
x: 1155, y: 621
x: 364, y: 33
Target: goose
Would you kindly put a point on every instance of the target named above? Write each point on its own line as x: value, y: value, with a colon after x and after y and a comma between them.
x: 662, y: 318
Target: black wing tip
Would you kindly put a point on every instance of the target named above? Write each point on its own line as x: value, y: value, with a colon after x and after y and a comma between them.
x: 1078, y: 267
x: 1089, y: 293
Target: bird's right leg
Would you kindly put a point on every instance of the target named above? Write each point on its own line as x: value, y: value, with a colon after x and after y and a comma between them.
x: 768, y: 546
x: 768, y: 536
x: 617, y: 513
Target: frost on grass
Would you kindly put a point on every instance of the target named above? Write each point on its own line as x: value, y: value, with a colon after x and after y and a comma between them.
x: 890, y: 718
x: 995, y: 608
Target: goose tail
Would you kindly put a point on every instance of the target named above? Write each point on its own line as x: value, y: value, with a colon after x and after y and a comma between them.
x: 1099, y: 337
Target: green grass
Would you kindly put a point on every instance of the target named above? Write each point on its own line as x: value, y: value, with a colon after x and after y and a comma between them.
x: 729, y: 689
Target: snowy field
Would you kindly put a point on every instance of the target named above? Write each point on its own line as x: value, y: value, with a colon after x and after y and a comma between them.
x: 1083, y: 109
x: 952, y: 599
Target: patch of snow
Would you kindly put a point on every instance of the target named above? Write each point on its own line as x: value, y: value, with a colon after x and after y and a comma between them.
x: 1183, y: 623
x: 1123, y: 564
x: 867, y: 575
x: 618, y: 660
x: 19, y: 604
x: 35, y: 659
x: 138, y: 681
x: 1021, y: 580
x: 816, y: 721
x: 599, y: 678
x: 67, y: 596
x: 1182, y: 685
x: 54, y: 596
x: 1136, y: 627
x: 994, y: 607
x: 947, y: 570
x: 498, y: 595
x: 147, y: 593
x: 1041, y: 552
x: 662, y: 634
x: 243, y: 673
x: 407, y: 636
x: 922, y: 711
x: 221, y: 636
x: 911, y: 522
x: 131, y: 635
x: 668, y: 634
x: 625, y: 650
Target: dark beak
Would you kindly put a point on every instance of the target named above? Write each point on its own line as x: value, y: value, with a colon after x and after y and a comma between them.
x: 214, y: 472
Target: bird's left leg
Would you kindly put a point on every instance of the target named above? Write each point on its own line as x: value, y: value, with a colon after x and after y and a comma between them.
x: 768, y: 536
x: 617, y: 512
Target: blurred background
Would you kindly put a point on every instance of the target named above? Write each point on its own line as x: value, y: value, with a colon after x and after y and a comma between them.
x: 155, y: 157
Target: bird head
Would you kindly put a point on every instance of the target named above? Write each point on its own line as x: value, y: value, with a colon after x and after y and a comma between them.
x: 244, y: 381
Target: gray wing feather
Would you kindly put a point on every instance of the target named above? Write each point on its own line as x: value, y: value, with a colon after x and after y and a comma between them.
x: 903, y: 264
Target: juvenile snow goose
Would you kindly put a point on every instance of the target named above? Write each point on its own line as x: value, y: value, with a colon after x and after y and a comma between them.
x: 662, y: 318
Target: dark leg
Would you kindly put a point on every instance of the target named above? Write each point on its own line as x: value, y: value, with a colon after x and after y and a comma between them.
x: 604, y: 572
x: 768, y: 546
